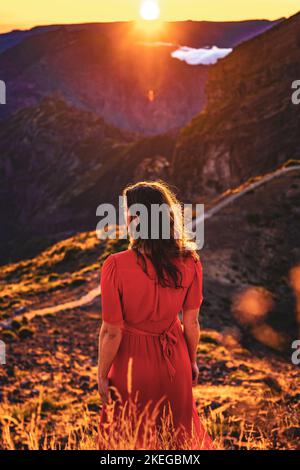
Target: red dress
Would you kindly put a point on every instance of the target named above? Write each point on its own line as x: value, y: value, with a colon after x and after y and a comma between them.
x: 153, y: 342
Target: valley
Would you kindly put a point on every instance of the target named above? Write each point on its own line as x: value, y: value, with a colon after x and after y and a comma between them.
x: 93, y: 107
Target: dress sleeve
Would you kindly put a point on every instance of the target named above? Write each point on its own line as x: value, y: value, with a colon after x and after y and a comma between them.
x: 112, y: 311
x: 194, y: 296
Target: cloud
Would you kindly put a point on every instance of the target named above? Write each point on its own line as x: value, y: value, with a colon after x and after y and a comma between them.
x: 205, y: 56
x: 157, y: 44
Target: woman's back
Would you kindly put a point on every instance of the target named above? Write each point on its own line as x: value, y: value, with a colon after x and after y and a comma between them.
x: 134, y: 297
x: 148, y: 356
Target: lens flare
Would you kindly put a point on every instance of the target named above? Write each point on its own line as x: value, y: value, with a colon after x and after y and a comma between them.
x: 252, y: 305
x: 151, y: 95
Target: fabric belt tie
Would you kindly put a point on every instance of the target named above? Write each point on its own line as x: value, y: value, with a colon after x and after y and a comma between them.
x: 167, y: 340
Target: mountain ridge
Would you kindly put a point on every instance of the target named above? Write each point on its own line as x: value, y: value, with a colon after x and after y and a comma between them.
x: 108, y: 69
x: 11, y: 38
x: 249, y: 124
x: 58, y: 163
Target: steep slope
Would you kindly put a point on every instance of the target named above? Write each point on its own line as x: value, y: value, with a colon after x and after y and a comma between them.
x: 250, y: 400
x: 251, y: 248
x: 250, y: 253
x: 59, y: 163
x: 12, y: 38
x: 113, y: 70
x: 249, y: 125
x: 249, y: 392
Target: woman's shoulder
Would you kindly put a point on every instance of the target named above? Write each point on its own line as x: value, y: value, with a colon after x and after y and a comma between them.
x: 113, y: 264
x: 120, y: 259
x: 190, y: 260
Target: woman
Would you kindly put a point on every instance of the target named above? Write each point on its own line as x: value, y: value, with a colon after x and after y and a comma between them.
x: 146, y: 359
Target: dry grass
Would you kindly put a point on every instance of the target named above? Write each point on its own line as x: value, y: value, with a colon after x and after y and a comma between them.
x: 48, y: 397
x: 41, y: 426
x: 20, y: 430
x: 63, y: 267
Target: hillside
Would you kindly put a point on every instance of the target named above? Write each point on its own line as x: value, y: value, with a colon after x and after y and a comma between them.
x: 260, y: 223
x: 248, y: 389
x: 59, y: 158
x: 94, y: 107
x: 251, y: 247
x: 249, y: 125
x: 111, y: 69
x: 58, y: 163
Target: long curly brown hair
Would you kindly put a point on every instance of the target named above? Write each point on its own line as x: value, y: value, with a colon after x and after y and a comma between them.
x: 160, y: 250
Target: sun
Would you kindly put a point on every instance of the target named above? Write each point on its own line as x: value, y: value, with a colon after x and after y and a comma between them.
x: 149, y: 10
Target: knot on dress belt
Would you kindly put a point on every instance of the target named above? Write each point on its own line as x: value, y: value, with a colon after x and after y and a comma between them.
x: 168, y: 341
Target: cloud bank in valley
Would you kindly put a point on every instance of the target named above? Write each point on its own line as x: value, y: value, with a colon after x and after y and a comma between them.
x: 203, y: 56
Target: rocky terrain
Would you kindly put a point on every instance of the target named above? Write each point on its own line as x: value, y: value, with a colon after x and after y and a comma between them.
x: 249, y: 125
x: 248, y: 391
x: 59, y: 159
x: 58, y: 163
x: 250, y: 243
x: 251, y: 249
x: 112, y: 69
x: 49, y: 396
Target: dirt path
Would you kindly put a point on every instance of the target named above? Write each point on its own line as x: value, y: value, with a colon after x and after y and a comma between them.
x: 244, y: 190
x: 95, y: 292
x: 81, y: 301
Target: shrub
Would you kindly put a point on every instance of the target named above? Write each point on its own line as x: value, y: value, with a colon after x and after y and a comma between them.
x: 15, y: 324
x: 25, y: 332
x: 8, y: 335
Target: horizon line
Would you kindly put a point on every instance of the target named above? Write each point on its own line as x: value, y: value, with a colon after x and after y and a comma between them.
x: 23, y: 27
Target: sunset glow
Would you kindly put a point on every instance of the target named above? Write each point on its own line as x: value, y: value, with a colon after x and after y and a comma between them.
x: 76, y: 11
x: 149, y: 10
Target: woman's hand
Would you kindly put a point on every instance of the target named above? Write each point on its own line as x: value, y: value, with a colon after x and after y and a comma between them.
x: 103, y: 388
x: 191, y: 330
x: 195, y: 373
x: 109, y: 341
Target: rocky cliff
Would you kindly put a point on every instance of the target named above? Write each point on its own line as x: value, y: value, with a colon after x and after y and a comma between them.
x: 249, y: 125
x: 58, y: 163
x: 116, y: 70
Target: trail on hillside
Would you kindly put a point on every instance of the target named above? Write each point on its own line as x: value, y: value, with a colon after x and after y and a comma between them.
x: 244, y: 189
x: 90, y: 296
x: 80, y: 302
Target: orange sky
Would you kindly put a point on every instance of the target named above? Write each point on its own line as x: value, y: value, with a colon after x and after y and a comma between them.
x: 27, y: 13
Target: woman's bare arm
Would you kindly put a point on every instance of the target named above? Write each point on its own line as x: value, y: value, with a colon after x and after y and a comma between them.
x: 191, y: 330
x: 109, y: 342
